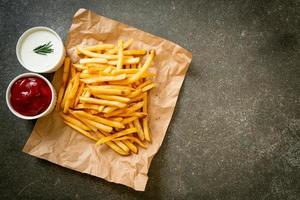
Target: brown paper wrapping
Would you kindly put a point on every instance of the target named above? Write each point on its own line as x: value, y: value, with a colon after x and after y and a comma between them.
x: 52, y: 140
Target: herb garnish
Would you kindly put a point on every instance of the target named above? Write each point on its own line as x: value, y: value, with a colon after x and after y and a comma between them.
x: 44, y: 49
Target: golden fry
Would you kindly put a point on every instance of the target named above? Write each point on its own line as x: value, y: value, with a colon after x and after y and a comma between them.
x: 117, y: 119
x: 66, y: 69
x: 134, y: 60
x: 128, y: 120
x: 134, y: 139
x: 99, y: 119
x: 113, y: 98
x: 66, y: 95
x: 119, y: 143
x: 109, y: 109
x: 103, y: 79
x: 134, y: 114
x: 112, y: 145
x: 109, y: 90
x: 148, y: 87
x: 125, y: 46
x: 137, y: 98
x: 115, y: 135
x: 74, y: 121
x: 135, y: 93
x: 140, y: 52
x: 79, y: 93
x: 70, y: 99
x: 144, y: 68
x: 90, y: 106
x: 120, y: 55
x: 98, y: 125
x: 138, y: 126
x: 145, y: 119
x: 124, y: 71
x: 85, y: 133
x: 101, y: 102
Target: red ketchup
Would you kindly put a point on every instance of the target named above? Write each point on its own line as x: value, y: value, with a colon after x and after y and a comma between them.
x: 30, y: 96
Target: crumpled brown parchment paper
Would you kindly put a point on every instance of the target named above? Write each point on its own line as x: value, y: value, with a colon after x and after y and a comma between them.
x: 52, y: 140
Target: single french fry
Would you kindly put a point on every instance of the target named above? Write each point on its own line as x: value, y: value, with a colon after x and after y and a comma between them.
x: 79, y: 93
x: 98, y: 125
x: 115, y: 112
x: 144, y: 84
x: 133, y: 66
x: 134, y: 107
x: 95, y: 70
x: 117, y: 119
x: 73, y: 71
x: 113, y: 98
x: 90, y: 106
x: 92, y: 112
x: 124, y: 71
x: 109, y: 109
x: 93, y: 128
x: 133, y: 60
x: 96, y: 65
x: 92, y: 60
x: 91, y: 54
x: 79, y: 67
x: 74, y: 121
x: 123, y: 82
x: 127, y: 66
x: 131, y: 146
x: 135, y: 93
x: 143, y: 69
x: 145, y: 119
x: 112, y: 145
x: 103, y: 79
x: 70, y: 99
x: 101, y: 102
x: 109, y: 90
x: 128, y: 120
x: 125, y: 46
x: 115, y: 135
x: 99, y: 119
x: 83, y: 132
x: 148, y: 87
x: 120, y: 55
x: 138, y: 126
x: 134, y: 139
x: 137, y: 98
x: 66, y: 95
x: 119, y: 143
x: 144, y: 75
x: 139, y: 52
x: 66, y: 69
x: 134, y: 114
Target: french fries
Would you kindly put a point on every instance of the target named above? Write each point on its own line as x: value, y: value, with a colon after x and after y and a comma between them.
x: 105, y: 95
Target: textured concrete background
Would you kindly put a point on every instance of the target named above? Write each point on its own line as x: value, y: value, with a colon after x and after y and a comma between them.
x: 236, y: 130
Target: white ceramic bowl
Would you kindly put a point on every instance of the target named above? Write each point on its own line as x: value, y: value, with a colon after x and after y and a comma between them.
x: 46, y: 112
x: 35, y: 37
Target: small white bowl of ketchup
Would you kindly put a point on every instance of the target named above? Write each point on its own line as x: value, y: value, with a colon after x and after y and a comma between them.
x: 30, y: 96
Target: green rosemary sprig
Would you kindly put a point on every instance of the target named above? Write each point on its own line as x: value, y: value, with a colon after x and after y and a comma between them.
x: 44, y: 49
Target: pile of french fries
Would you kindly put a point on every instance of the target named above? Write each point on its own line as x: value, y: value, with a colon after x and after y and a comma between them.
x: 105, y: 95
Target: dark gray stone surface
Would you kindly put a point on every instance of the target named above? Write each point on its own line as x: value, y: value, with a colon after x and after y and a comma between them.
x: 235, y: 133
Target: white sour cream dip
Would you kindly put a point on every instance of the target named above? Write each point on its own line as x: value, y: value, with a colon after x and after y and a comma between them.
x: 35, y: 62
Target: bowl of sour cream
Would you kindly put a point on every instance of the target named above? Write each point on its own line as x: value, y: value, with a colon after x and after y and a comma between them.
x: 40, y: 50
